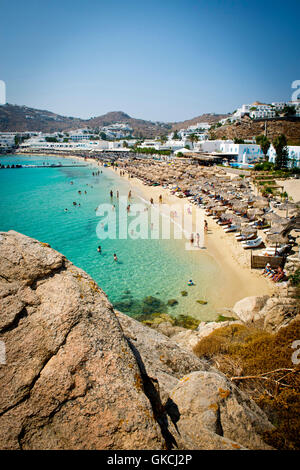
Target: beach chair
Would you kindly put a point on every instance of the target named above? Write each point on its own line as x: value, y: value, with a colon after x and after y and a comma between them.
x: 231, y: 228
x: 252, y: 243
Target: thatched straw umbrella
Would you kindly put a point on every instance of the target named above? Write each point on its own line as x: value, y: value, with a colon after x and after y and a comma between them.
x: 261, y: 202
x: 248, y: 230
x: 277, y: 239
x: 240, y: 206
x: 255, y: 213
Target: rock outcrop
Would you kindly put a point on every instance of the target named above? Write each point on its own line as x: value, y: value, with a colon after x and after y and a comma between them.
x: 217, y: 414
x: 249, y: 309
x: 80, y: 376
x: 70, y: 373
x: 162, y: 358
x: 270, y: 313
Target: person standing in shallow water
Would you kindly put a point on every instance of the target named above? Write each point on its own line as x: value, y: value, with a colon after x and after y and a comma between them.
x: 111, y: 194
x: 115, y: 257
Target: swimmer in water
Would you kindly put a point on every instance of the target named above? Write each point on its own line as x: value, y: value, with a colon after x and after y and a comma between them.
x: 99, y: 249
x: 115, y: 257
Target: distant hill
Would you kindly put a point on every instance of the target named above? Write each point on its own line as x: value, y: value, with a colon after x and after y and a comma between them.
x: 22, y: 119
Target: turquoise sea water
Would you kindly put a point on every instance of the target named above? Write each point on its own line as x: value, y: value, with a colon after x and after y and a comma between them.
x: 32, y: 201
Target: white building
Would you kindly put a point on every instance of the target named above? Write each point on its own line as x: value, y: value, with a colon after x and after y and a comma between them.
x: 7, y: 140
x: 294, y: 155
x: 242, y: 153
x: 37, y: 144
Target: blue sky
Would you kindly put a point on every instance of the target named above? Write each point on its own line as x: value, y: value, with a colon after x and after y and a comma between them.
x: 165, y: 60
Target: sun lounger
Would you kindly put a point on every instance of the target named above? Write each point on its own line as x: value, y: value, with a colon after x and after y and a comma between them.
x: 279, y: 251
x: 252, y: 243
x: 232, y: 228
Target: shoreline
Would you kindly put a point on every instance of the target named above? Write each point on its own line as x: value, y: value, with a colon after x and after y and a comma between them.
x: 239, y: 280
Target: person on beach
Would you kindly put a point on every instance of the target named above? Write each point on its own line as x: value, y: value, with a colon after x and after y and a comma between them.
x: 129, y: 195
x: 128, y: 208
x: 205, y: 226
x: 192, y: 239
x: 198, y: 239
x: 115, y: 257
x: 151, y: 201
x: 117, y: 194
x: 160, y: 199
x: 99, y: 249
x: 111, y: 194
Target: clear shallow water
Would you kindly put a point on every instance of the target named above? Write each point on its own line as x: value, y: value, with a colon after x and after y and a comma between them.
x: 32, y: 201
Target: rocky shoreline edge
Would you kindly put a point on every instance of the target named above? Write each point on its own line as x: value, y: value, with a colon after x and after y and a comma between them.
x: 79, y: 375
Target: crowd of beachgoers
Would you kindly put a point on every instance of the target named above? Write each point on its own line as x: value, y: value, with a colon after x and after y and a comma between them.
x: 264, y: 225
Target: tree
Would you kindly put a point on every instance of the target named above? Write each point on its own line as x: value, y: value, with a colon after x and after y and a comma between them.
x: 280, y: 145
x: 176, y: 136
x: 289, y: 111
x: 17, y: 140
x: 193, y: 138
x: 264, y: 143
x: 163, y: 139
x: 102, y: 136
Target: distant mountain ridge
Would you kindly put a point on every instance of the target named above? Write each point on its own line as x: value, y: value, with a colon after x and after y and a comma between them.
x: 22, y: 118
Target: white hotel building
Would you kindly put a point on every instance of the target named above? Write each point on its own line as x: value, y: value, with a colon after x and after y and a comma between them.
x: 294, y: 155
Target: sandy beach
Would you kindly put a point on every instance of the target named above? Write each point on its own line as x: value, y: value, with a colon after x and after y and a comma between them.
x: 234, y: 262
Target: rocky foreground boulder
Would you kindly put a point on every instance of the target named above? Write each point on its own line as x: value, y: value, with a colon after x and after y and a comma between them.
x: 269, y: 313
x: 79, y: 376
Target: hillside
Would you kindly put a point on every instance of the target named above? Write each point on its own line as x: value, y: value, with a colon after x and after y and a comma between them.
x: 210, y: 118
x: 22, y: 119
x: 247, y: 129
